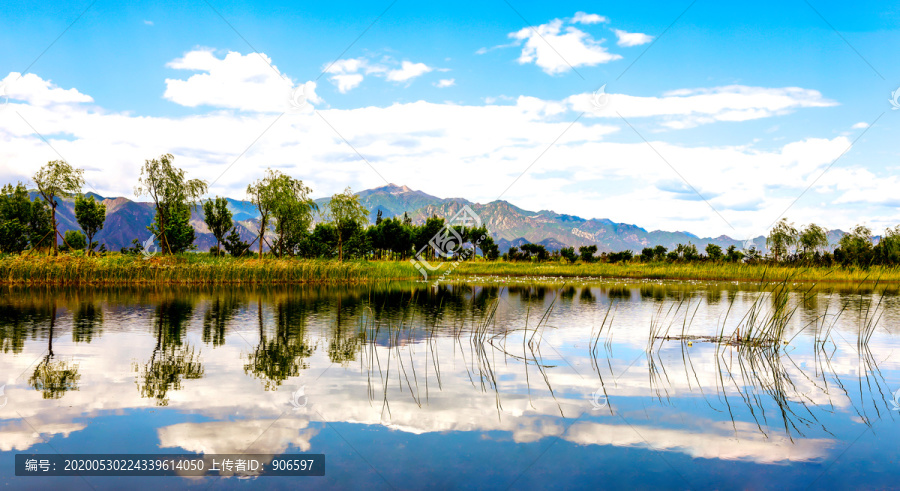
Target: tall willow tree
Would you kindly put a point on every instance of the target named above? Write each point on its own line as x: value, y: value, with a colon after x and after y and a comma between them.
x: 781, y: 238
x: 347, y: 214
x: 285, y: 200
x: 172, y: 196
x: 58, y: 179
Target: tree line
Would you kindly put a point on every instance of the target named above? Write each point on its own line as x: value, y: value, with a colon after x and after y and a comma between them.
x: 343, y: 230
x: 286, y: 218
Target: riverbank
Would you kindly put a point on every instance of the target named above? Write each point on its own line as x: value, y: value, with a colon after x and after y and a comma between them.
x: 202, y: 269
x: 193, y: 269
x: 688, y: 271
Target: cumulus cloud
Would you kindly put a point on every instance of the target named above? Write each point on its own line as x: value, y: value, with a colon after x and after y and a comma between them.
x: 36, y: 91
x: 860, y: 126
x: 445, y: 82
x: 628, y: 39
x: 245, y: 82
x: 557, y: 48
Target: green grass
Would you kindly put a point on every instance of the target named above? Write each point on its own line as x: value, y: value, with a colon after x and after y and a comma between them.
x: 687, y: 271
x: 193, y: 269
x: 190, y: 269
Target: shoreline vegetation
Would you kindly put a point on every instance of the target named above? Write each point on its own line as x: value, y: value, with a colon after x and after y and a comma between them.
x: 207, y: 269
x: 298, y: 241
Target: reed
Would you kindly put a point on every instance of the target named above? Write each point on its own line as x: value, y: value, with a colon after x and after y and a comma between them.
x: 686, y: 271
x: 192, y: 269
x: 199, y: 269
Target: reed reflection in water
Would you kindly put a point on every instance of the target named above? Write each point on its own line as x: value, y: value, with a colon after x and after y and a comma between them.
x: 699, y: 374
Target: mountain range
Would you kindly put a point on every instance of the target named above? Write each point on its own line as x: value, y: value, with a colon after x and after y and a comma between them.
x: 509, y: 225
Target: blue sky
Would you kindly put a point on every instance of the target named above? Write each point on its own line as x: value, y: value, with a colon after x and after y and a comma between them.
x: 743, y: 105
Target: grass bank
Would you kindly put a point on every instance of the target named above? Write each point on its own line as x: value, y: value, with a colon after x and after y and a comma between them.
x: 192, y: 269
x: 687, y: 271
x: 203, y: 269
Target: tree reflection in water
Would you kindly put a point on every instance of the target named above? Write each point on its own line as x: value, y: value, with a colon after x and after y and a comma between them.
x: 171, y: 361
x: 280, y: 355
x: 216, y: 319
x: 53, y: 378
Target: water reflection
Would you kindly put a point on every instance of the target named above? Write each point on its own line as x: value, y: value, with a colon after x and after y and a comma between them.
x: 280, y: 355
x: 513, y: 362
x: 172, y: 360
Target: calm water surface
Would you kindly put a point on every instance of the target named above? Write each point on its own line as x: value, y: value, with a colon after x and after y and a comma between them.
x: 485, y: 383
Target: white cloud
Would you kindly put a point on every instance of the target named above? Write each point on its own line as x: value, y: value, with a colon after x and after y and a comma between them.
x: 245, y: 82
x: 584, y: 172
x: 37, y: 91
x: 687, y: 108
x: 445, y: 82
x: 860, y: 126
x: 349, y: 65
x: 408, y: 71
x: 585, y: 18
x: 148, y: 22
x: 346, y: 83
x: 628, y: 39
x: 347, y: 74
x: 556, y: 49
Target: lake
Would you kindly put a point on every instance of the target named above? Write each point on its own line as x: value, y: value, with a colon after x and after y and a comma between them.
x: 474, y: 383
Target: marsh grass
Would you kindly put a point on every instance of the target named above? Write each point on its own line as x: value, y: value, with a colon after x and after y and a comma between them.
x: 686, y: 271
x: 188, y: 269
x: 192, y: 269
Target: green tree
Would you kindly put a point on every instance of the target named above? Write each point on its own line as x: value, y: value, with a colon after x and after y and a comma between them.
x: 887, y: 251
x: 622, y: 256
x: 733, y: 254
x: 812, y: 238
x: 537, y: 251
x: 568, y: 253
x: 659, y: 253
x: 55, y: 180
x: 489, y: 249
x: 40, y: 227
x: 74, y: 240
x: 178, y: 234
x: 587, y: 253
x: 285, y: 200
x: 90, y: 214
x: 172, y: 195
x: 218, y: 218
x: 714, y: 252
x: 855, y: 247
x: 15, y: 215
x: 346, y: 214
x: 234, y: 245
x: 781, y: 238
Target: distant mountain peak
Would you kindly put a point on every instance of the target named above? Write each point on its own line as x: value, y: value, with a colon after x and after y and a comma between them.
x: 396, y: 190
